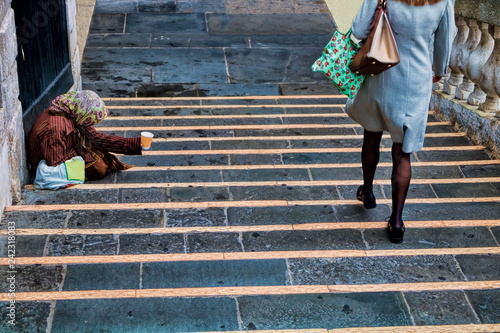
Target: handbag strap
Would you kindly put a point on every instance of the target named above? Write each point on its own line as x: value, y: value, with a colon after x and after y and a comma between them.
x: 383, y: 4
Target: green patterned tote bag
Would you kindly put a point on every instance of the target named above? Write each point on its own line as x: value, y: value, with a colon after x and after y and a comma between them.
x: 334, y: 63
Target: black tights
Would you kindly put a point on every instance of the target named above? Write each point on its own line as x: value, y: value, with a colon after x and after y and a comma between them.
x: 401, y: 172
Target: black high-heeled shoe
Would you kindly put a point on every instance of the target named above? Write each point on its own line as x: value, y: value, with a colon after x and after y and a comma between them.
x: 369, y: 201
x: 396, y: 235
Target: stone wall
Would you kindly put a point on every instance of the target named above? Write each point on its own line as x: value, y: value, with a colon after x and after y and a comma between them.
x: 13, y: 172
x: 343, y: 12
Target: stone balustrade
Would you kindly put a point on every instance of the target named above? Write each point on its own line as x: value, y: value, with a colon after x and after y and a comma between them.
x: 469, y: 95
x: 475, y: 61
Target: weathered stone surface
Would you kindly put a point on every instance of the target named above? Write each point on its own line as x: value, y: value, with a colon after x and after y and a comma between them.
x: 273, y: 24
x: 196, y: 217
x: 482, y: 10
x: 144, y: 195
x: 374, y: 270
x: 260, y: 69
x: 102, y: 276
x: 165, y: 22
x: 249, y: 159
x: 37, y: 220
x: 214, y: 274
x: 483, y: 129
x: 279, y: 175
x: 146, y: 314
x: 303, y: 240
x: 285, y: 192
x: 452, y: 211
x: 440, y: 308
x: 486, y: 304
x: 322, y: 310
x: 33, y: 278
x: 169, y: 176
x: 30, y: 317
x: 116, y: 218
x: 201, y: 6
x: 107, y: 23
x: 213, y: 242
x: 116, y: 6
x: 280, y: 215
x: 480, y: 267
x: 69, y: 196
x: 422, y: 238
x: 151, y: 243
x: 196, y: 194
x: 30, y: 246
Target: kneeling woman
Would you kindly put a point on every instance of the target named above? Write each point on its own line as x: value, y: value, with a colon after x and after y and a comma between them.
x: 65, y: 130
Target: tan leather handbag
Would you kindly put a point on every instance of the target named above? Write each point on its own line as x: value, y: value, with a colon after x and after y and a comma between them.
x: 379, y: 51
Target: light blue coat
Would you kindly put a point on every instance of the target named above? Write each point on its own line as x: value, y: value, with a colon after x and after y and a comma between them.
x: 397, y: 100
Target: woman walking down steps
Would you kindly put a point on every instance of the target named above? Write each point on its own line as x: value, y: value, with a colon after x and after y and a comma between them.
x: 397, y: 100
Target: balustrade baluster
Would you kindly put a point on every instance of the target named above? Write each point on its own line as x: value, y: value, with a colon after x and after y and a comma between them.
x: 476, y: 62
x: 467, y: 86
x: 490, y: 76
x: 456, y: 76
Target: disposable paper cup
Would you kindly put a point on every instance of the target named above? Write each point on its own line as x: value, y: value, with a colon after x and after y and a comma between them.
x: 146, y: 139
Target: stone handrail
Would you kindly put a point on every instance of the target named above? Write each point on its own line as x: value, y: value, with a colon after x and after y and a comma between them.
x: 475, y: 61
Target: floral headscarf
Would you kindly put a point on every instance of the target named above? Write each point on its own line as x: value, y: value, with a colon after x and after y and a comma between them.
x: 85, y: 107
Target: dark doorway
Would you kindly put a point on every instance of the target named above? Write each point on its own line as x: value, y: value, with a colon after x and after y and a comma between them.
x: 43, y: 54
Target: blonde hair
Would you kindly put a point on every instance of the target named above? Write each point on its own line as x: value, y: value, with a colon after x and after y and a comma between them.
x: 419, y: 2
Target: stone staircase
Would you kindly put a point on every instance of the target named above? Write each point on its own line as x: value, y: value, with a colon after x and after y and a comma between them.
x: 243, y: 217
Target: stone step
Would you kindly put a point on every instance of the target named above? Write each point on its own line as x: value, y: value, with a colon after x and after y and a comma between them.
x: 83, y: 246
x: 295, y: 312
x: 426, y: 272
x: 238, y: 213
x: 307, y: 101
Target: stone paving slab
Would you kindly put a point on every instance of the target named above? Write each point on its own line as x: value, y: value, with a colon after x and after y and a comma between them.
x: 42, y: 220
x: 169, y: 176
x: 294, y: 41
x: 437, y: 268
x: 280, y: 215
x: 119, y: 40
x: 440, y: 308
x: 34, y: 278
x: 261, y: 144
x: 214, y: 274
x: 202, y: 6
x: 486, y: 304
x: 453, y: 155
x: 466, y: 190
x: 108, y: 23
x: 120, y: 76
x: 79, y: 245
x: 325, y: 310
x: 151, y: 243
x: 452, y: 211
x: 265, y: 175
x: 116, y: 218
x: 480, y: 267
x: 427, y: 238
x: 213, y: 242
x: 30, y: 317
x: 347, y: 239
x: 198, y: 40
x: 166, y: 22
x: 285, y: 193
x: 68, y: 196
x: 176, y: 160
x: 196, y: 217
x: 271, y: 24
x: 146, y: 315
x: 102, y: 277
x: 199, y: 194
